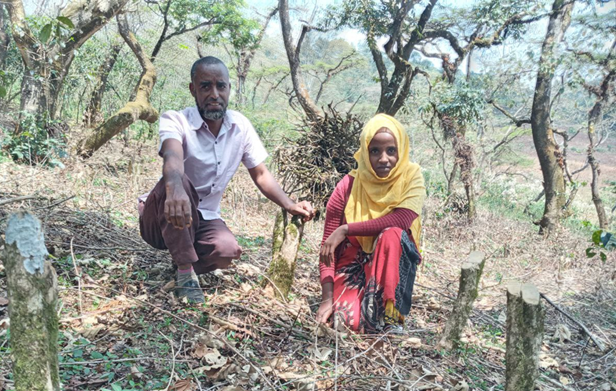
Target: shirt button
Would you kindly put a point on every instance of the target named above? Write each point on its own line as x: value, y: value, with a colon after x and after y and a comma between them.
x: 215, y: 142
x: 200, y: 200
x: 218, y: 162
x: 213, y: 184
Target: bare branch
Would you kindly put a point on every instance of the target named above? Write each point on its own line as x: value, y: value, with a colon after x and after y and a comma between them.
x: 517, y: 121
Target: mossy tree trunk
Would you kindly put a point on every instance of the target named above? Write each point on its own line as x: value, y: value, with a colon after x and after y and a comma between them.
x: 33, y: 295
x: 92, y: 115
x: 525, y: 326
x: 138, y: 109
x: 467, y: 293
x: 548, y: 151
x: 285, y: 245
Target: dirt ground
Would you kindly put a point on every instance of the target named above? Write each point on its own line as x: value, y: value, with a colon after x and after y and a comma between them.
x: 122, y: 328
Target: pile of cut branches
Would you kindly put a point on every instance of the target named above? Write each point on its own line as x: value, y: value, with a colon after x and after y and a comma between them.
x: 311, y: 164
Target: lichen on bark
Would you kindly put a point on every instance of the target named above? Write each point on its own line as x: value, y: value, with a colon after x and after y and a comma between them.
x: 525, y: 327
x: 33, y: 297
x: 467, y: 293
x: 286, y: 239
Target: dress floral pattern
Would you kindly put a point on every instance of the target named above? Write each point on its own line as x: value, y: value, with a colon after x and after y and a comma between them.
x: 364, y: 282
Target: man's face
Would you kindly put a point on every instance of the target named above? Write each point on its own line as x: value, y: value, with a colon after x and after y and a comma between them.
x: 210, y: 88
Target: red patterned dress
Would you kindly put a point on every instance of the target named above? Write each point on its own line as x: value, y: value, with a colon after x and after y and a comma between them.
x: 374, y: 290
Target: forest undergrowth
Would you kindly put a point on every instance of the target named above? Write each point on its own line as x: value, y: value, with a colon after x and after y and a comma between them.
x: 122, y: 328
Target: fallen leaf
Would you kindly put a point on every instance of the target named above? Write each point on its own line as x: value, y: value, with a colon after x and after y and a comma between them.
x: 210, y: 342
x: 461, y: 386
x: 412, y: 342
x: 134, y: 371
x: 321, y: 354
x: 214, y: 359
x: 546, y: 361
x: 200, y: 350
x: 564, y: 381
x: 290, y: 375
x: 562, y: 333
x: 184, y: 385
x: 91, y: 332
x: 3, y: 301
x: 232, y: 388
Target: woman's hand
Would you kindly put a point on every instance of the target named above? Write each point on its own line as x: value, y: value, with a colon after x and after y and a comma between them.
x: 327, y: 303
x: 326, y: 256
x: 325, y: 311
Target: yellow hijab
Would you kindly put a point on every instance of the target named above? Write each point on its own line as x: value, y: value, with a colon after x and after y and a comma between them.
x: 372, y: 197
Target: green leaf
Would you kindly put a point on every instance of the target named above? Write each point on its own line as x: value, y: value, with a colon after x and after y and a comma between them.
x: 590, y: 253
x: 116, y: 387
x: 596, y: 237
x: 603, y: 256
x: 2, y: 92
x: 97, y: 355
x: 66, y: 21
x: 45, y: 33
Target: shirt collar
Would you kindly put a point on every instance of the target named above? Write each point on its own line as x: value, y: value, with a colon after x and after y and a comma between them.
x: 196, y: 122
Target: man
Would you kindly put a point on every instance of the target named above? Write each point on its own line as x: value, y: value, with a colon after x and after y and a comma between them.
x: 202, y: 147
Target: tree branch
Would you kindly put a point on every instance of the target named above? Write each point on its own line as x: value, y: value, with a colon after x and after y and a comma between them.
x: 517, y: 121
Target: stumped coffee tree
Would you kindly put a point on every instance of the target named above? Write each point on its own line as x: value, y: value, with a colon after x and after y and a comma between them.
x: 525, y: 326
x: 287, y: 237
x: 33, y: 295
x: 467, y: 293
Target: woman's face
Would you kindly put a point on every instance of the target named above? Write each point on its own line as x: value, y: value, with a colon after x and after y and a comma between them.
x: 383, y: 153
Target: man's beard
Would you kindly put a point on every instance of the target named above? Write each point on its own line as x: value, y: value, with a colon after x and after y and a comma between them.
x: 212, y: 115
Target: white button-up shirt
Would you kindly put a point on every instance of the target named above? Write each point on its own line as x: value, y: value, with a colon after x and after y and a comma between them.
x: 210, y: 162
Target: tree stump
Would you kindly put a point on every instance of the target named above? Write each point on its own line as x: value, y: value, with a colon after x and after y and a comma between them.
x: 285, y: 245
x: 33, y: 296
x: 525, y: 316
x: 467, y: 293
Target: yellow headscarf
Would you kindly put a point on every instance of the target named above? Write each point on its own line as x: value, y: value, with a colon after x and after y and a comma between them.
x: 372, y: 197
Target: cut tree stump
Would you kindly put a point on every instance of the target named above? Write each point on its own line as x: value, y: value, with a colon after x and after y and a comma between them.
x: 467, y: 293
x: 33, y: 297
x: 525, y: 317
x: 285, y: 245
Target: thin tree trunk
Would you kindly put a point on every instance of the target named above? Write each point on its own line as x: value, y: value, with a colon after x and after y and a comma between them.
x: 139, y: 108
x: 593, y: 118
x: 303, y: 96
x: 543, y: 135
x: 92, y: 114
x: 5, y: 38
x: 245, y: 60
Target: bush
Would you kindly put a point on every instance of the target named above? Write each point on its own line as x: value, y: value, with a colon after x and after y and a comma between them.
x: 40, y: 141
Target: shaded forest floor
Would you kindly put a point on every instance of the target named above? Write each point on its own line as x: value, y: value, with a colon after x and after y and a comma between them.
x: 122, y: 328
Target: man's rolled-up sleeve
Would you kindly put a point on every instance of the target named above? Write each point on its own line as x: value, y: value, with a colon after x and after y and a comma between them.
x: 254, y: 151
x: 170, y: 127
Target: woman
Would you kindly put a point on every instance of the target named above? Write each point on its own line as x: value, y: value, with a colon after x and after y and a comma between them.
x: 369, y: 254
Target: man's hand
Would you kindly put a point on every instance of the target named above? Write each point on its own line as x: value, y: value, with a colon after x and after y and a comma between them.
x: 177, y: 206
x: 303, y: 209
x: 328, y: 248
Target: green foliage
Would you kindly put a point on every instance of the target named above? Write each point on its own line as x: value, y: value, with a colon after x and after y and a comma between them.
x: 241, y: 33
x: 459, y: 101
x: 602, y: 241
x: 222, y: 15
x: 55, y: 29
x: 34, y: 145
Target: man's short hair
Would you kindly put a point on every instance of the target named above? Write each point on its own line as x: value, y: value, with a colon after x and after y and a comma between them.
x: 207, y: 60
